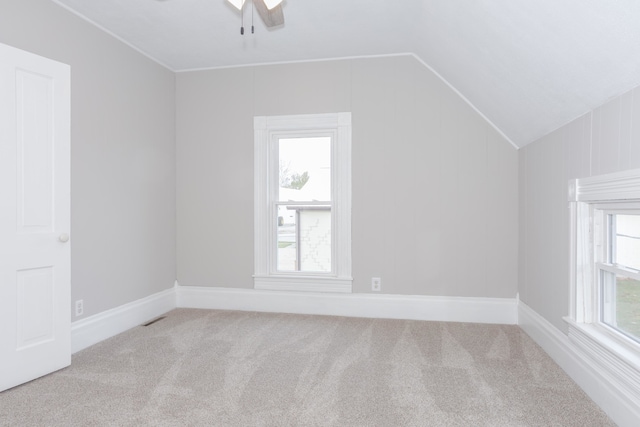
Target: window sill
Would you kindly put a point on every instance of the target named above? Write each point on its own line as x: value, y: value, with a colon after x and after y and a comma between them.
x: 303, y: 283
x: 613, y: 357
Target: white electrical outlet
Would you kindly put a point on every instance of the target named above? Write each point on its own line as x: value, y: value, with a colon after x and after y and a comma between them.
x: 79, y: 307
x: 376, y: 284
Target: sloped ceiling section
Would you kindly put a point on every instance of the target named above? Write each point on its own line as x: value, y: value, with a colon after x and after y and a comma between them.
x: 528, y: 66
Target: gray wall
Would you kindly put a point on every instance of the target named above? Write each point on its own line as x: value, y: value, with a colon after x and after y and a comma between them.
x: 602, y: 141
x: 434, y: 186
x: 122, y: 154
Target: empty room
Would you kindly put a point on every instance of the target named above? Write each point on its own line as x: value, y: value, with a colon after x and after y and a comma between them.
x: 330, y: 213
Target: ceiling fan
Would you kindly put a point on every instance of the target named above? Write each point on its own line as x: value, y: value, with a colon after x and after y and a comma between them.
x: 269, y: 10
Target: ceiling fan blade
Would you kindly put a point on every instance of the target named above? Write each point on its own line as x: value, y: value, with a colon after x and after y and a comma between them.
x: 271, y: 18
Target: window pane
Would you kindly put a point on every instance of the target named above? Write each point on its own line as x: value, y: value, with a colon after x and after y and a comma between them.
x: 305, y: 169
x: 287, y: 239
x: 627, y: 241
x: 315, y: 239
x: 304, y: 238
x: 621, y: 303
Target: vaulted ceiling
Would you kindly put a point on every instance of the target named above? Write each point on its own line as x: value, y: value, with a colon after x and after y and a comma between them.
x: 528, y: 66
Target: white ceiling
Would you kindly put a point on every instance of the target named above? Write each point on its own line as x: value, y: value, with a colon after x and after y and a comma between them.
x: 529, y: 66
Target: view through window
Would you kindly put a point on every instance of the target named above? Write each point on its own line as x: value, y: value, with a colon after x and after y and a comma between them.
x: 619, y: 273
x: 304, y: 205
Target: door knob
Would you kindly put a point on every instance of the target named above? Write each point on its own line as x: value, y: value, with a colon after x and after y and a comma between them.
x: 64, y: 238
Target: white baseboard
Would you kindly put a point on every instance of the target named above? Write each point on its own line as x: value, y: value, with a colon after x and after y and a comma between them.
x: 414, y: 307
x: 92, y: 330
x: 591, y: 377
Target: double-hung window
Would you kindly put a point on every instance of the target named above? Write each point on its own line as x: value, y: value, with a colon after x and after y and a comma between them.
x: 618, y: 267
x: 604, y: 317
x: 303, y: 202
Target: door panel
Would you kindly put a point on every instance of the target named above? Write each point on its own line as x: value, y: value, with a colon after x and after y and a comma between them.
x: 35, y: 307
x: 34, y: 149
x: 35, y: 324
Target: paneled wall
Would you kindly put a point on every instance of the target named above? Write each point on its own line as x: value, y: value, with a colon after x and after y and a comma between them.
x: 122, y: 155
x: 602, y: 141
x: 434, y: 186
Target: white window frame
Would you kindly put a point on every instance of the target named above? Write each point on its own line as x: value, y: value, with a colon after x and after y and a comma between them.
x: 613, y: 354
x: 268, y: 129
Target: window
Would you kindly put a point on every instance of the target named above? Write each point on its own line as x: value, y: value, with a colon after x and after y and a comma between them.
x: 618, y: 269
x: 303, y: 202
x: 604, y: 316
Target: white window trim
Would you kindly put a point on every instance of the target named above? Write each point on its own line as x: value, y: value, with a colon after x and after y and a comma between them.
x: 265, y: 276
x: 614, y: 356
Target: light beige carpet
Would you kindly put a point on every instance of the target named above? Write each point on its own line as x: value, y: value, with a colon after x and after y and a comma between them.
x: 223, y: 368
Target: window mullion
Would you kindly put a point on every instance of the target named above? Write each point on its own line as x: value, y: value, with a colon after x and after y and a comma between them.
x: 618, y: 270
x: 304, y: 203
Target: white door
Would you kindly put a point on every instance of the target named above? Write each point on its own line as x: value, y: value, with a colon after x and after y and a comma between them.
x: 35, y: 315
